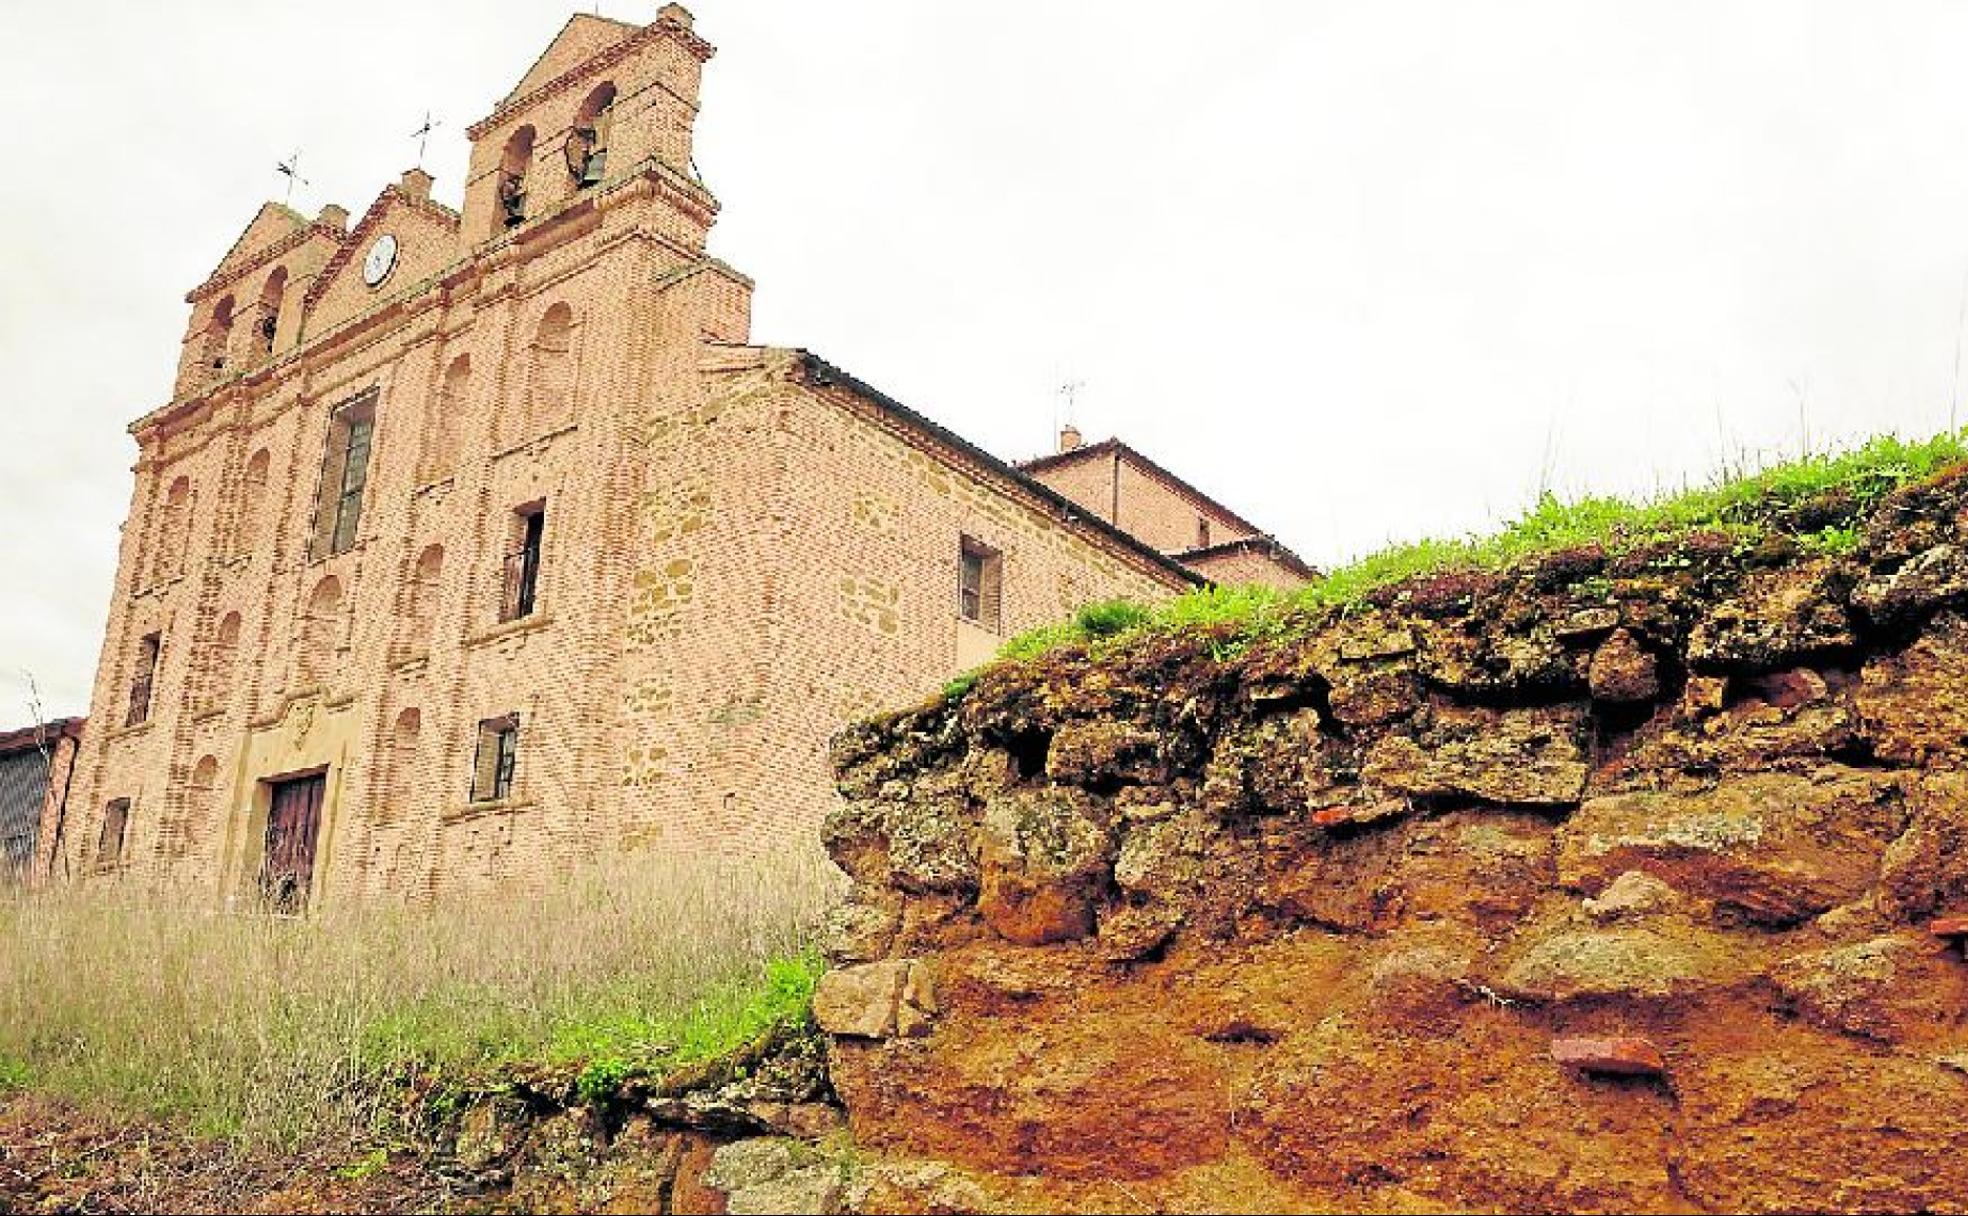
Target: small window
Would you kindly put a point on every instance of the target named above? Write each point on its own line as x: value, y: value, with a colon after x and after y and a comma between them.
x: 498, y: 752
x: 522, y: 571
x: 344, y: 475
x: 980, y: 584
x: 141, y: 682
x: 116, y: 821
x: 1202, y: 533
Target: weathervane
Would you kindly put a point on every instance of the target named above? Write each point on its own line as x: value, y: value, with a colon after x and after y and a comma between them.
x: 422, y: 135
x: 291, y: 170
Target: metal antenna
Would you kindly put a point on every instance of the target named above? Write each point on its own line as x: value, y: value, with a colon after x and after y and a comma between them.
x: 291, y: 170
x: 1062, y: 405
x: 1954, y: 388
x: 1067, y: 392
x: 422, y: 135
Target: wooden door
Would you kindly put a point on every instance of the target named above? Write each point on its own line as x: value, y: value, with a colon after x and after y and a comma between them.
x: 293, y: 822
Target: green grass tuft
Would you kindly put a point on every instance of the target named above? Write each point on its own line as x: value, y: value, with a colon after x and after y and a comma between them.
x: 730, y: 1016
x: 1749, y: 507
x: 1106, y: 618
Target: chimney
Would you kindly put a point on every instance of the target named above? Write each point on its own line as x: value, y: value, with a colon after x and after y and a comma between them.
x: 333, y: 216
x: 416, y: 183
x: 1069, y: 438
x: 675, y: 14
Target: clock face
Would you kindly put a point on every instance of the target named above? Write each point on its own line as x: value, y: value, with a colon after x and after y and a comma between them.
x: 380, y: 261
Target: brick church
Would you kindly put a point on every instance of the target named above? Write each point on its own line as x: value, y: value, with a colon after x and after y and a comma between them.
x: 473, y: 543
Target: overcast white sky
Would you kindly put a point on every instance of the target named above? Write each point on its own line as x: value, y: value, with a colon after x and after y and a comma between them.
x: 1367, y: 271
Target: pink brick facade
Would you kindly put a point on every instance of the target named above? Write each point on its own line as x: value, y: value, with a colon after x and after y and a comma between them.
x: 741, y: 547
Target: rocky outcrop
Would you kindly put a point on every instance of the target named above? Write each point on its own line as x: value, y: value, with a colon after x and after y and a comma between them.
x: 1605, y: 883
x: 732, y: 1133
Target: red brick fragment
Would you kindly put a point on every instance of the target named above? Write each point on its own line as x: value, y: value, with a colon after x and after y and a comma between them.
x: 1332, y: 816
x: 1949, y: 926
x: 1627, y: 1056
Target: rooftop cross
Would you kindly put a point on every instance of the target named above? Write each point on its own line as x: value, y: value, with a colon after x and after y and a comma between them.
x: 422, y: 135
x: 291, y: 170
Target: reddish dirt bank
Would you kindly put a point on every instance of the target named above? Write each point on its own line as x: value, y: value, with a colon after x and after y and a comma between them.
x: 1607, y: 883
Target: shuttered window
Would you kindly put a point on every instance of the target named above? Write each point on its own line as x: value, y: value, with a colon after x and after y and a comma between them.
x: 980, y: 584
x: 143, y: 680
x: 116, y: 822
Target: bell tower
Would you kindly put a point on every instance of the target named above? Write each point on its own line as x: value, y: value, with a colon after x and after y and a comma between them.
x: 248, y: 310
x: 605, y: 102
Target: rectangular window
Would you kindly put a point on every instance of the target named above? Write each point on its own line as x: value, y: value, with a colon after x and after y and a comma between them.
x: 1202, y: 533
x: 498, y: 752
x: 522, y: 571
x: 151, y: 645
x: 980, y: 584
x: 116, y: 821
x: 344, y: 476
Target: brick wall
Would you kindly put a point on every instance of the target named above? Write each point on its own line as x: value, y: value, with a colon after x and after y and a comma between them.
x: 1252, y: 563
x: 735, y: 561
x: 1151, y: 506
x: 867, y: 572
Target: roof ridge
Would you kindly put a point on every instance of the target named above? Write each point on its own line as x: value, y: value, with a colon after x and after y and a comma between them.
x: 1154, y: 468
x: 823, y: 374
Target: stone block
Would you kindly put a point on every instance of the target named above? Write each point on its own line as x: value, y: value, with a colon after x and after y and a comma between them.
x: 1624, y: 1055
x: 875, y: 1000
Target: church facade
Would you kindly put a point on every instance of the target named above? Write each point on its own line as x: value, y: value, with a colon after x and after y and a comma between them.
x: 474, y: 543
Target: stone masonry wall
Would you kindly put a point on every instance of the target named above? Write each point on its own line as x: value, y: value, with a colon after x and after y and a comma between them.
x: 873, y: 526
x: 1617, y: 881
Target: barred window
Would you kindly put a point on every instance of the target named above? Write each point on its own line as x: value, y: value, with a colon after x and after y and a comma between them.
x: 344, y: 476
x: 519, y: 593
x: 498, y: 754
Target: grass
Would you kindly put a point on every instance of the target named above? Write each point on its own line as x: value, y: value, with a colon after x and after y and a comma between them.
x: 274, y: 1030
x: 1750, y: 505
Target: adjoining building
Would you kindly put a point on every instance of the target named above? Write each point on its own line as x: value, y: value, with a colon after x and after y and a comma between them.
x: 1132, y: 492
x: 475, y: 543
x: 37, y: 765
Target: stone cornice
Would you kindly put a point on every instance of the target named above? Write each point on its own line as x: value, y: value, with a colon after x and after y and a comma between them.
x: 663, y: 27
